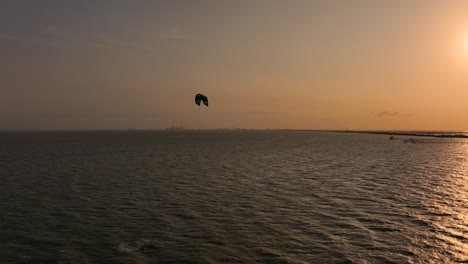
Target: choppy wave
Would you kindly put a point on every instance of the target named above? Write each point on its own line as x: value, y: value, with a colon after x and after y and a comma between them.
x: 230, y: 197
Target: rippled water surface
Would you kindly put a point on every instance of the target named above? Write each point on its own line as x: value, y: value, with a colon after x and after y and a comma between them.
x: 230, y: 197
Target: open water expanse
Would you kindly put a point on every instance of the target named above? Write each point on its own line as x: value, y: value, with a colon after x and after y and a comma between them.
x: 230, y: 197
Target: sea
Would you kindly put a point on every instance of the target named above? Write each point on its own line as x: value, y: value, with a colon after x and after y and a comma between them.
x: 208, y: 196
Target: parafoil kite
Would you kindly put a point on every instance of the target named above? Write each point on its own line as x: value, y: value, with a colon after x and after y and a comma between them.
x: 201, y: 98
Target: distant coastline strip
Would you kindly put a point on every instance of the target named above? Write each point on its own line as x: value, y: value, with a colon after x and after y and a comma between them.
x: 411, y: 134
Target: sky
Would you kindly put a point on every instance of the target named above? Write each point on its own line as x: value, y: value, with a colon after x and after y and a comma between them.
x: 299, y: 64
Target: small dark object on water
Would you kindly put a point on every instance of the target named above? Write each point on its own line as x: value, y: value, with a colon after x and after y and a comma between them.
x: 142, y: 248
x: 146, y: 246
x: 391, y: 137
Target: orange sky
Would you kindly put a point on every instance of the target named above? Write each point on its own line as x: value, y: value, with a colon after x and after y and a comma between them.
x: 263, y: 64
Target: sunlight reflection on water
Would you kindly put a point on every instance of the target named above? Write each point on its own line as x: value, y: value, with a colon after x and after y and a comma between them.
x: 446, y: 210
x: 210, y: 197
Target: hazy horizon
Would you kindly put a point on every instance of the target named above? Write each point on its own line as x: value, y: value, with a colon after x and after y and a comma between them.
x: 175, y: 128
x: 318, y: 65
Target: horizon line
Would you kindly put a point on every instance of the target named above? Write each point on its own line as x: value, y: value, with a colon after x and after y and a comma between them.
x: 231, y: 129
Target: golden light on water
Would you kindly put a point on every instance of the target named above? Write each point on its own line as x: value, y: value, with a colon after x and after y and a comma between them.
x: 463, y: 195
x: 459, y: 177
x: 445, y: 203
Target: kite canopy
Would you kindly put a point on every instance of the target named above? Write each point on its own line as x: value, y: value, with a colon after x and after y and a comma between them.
x: 201, y: 98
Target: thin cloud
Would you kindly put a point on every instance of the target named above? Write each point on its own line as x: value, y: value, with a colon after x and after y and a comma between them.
x: 392, y: 114
x: 49, y: 30
x: 52, y: 36
x: 55, y: 36
x: 38, y: 40
x: 116, y: 43
x: 173, y: 34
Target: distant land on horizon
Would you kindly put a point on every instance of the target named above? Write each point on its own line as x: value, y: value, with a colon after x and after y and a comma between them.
x: 411, y: 133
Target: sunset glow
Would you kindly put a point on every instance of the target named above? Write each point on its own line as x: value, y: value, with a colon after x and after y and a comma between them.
x: 465, y: 45
x: 323, y: 65
x: 242, y: 131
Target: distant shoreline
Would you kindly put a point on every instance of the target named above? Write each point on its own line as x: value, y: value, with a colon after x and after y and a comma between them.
x: 433, y: 134
x: 411, y: 134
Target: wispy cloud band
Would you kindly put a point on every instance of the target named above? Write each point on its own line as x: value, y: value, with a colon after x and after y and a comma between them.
x: 392, y: 114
